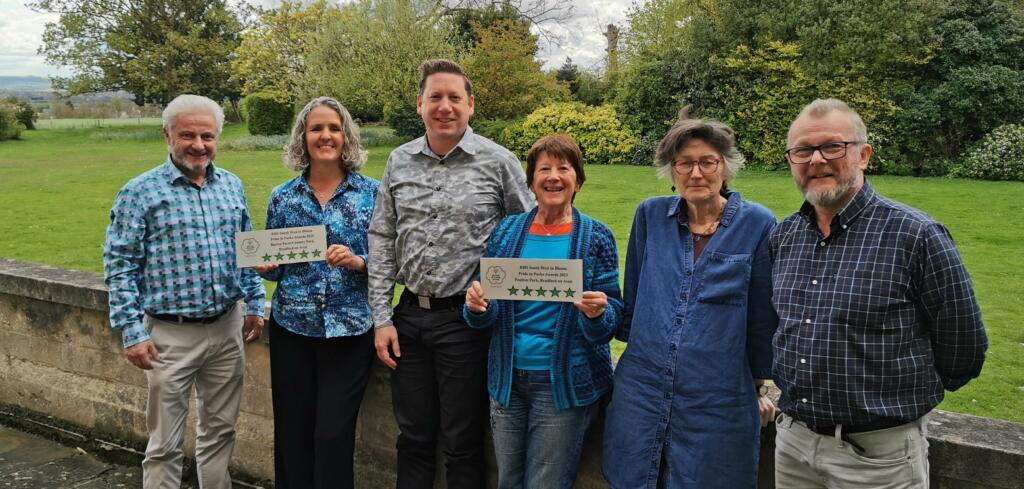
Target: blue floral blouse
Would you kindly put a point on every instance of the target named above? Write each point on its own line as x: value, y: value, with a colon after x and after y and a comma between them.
x: 314, y: 299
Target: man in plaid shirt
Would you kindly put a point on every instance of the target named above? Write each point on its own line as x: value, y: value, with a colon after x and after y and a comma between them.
x: 877, y: 318
x: 169, y: 262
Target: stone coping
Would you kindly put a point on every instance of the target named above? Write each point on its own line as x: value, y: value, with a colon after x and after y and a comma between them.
x: 43, y: 282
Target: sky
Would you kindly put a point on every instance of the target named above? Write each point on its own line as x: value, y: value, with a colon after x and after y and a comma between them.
x: 581, y: 38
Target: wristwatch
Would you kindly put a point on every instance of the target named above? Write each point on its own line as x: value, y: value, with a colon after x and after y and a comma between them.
x: 762, y: 390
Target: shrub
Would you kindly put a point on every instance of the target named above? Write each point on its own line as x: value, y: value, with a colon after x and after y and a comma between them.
x: 494, y: 129
x: 996, y: 157
x: 26, y: 114
x: 267, y: 115
x: 257, y: 143
x: 406, y: 122
x: 371, y: 136
x: 646, y: 98
x: 598, y: 131
x: 10, y: 128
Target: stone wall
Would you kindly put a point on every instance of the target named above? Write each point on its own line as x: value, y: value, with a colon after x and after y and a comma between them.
x: 62, y: 371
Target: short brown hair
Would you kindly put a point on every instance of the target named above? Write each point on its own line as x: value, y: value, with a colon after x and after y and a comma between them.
x: 558, y: 146
x: 433, y: 66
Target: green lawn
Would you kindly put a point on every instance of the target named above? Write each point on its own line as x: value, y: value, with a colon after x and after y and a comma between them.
x: 57, y: 185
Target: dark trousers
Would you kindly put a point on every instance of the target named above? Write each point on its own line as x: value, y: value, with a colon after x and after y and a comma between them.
x: 439, y: 392
x: 318, y: 385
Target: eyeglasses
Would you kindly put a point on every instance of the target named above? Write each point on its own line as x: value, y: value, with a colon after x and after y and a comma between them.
x: 707, y: 165
x: 801, y: 155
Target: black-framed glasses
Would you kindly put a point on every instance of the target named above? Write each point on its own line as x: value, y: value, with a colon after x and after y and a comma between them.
x: 801, y: 155
x: 707, y: 165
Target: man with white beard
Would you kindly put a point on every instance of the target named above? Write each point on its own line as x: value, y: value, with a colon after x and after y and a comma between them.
x: 877, y: 318
x: 169, y: 262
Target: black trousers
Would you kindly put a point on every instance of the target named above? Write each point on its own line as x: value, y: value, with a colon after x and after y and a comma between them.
x: 318, y: 385
x: 439, y: 392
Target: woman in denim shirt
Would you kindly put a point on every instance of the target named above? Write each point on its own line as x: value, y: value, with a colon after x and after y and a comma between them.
x: 686, y: 411
x: 549, y: 364
x: 321, y: 339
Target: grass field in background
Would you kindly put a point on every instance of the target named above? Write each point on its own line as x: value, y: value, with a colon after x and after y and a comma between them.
x: 89, y: 122
x: 57, y: 186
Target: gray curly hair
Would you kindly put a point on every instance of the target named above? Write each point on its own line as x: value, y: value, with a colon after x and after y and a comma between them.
x: 687, y: 128
x: 296, y: 154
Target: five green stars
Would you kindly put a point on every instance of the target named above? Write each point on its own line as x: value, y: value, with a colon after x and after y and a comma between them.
x: 541, y: 292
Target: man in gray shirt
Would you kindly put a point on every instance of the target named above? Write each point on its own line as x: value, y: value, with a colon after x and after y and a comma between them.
x: 439, y: 200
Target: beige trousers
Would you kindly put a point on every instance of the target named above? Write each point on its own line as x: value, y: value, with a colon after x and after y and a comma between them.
x: 210, y: 358
x: 893, y: 458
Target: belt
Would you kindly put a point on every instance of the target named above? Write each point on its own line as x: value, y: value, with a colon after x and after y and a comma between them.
x: 174, y: 318
x: 432, y: 303
x: 878, y: 424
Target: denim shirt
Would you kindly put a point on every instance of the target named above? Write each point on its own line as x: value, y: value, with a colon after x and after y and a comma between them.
x: 314, y: 299
x: 698, y: 333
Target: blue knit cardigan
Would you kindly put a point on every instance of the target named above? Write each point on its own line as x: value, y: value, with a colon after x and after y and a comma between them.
x: 581, y: 367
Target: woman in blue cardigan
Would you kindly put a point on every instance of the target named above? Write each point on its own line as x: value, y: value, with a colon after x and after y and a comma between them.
x: 549, y: 362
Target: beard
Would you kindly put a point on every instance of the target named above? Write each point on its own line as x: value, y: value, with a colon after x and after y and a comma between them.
x: 180, y: 158
x: 834, y: 196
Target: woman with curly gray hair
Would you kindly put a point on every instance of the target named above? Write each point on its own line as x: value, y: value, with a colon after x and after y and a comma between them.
x: 698, y: 320
x: 321, y: 339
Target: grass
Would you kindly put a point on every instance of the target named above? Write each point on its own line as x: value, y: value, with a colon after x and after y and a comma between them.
x: 91, y: 122
x: 57, y: 186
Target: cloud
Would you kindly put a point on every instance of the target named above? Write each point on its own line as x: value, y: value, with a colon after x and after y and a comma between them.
x: 580, y: 38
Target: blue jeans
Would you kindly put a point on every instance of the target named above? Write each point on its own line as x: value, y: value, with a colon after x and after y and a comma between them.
x: 535, y: 445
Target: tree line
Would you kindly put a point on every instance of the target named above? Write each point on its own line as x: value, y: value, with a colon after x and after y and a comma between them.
x: 933, y: 79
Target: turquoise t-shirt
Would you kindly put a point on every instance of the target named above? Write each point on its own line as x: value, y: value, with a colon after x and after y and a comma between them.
x: 535, y: 320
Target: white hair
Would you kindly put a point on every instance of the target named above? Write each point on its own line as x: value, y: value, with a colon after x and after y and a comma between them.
x: 822, y: 107
x: 187, y: 104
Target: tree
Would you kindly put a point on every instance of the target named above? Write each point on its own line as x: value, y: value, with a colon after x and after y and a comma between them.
x: 973, y: 84
x: 273, y: 52
x: 569, y: 73
x: 367, y: 57
x: 153, y: 49
x: 508, y: 81
x: 539, y: 14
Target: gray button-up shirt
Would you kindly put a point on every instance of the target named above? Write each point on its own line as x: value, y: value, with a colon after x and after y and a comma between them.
x: 433, y: 216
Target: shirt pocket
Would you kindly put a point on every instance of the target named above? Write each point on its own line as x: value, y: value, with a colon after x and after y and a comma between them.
x: 874, y: 299
x: 725, y: 278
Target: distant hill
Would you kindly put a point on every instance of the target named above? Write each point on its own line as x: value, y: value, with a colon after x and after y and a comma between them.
x: 24, y: 83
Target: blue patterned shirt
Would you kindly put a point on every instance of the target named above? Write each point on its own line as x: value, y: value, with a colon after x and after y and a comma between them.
x: 876, y: 319
x: 170, y: 249
x: 314, y: 299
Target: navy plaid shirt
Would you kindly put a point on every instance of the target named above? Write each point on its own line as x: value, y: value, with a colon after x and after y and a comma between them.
x: 170, y: 249
x: 876, y: 319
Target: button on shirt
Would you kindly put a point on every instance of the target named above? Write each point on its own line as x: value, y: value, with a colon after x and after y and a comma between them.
x: 170, y: 249
x: 312, y: 298
x: 434, y: 214
x: 876, y: 319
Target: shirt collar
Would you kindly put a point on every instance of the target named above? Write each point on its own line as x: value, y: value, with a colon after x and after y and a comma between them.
x: 732, y: 206
x: 172, y: 173
x: 349, y: 182
x: 468, y: 144
x: 865, y: 197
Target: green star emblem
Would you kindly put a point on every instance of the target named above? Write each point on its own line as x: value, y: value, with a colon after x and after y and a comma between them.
x: 279, y: 257
x: 569, y: 292
x: 513, y: 291
x: 304, y: 254
x: 541, y: 292
x: 267, y: 257
x: 291, y: 255
x: 555, y: 292
x: 316, y: 253
x: 527, y: 291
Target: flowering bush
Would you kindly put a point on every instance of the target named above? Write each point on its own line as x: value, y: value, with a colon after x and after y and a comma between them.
x: 997, y: 157
x: 601, y: 136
